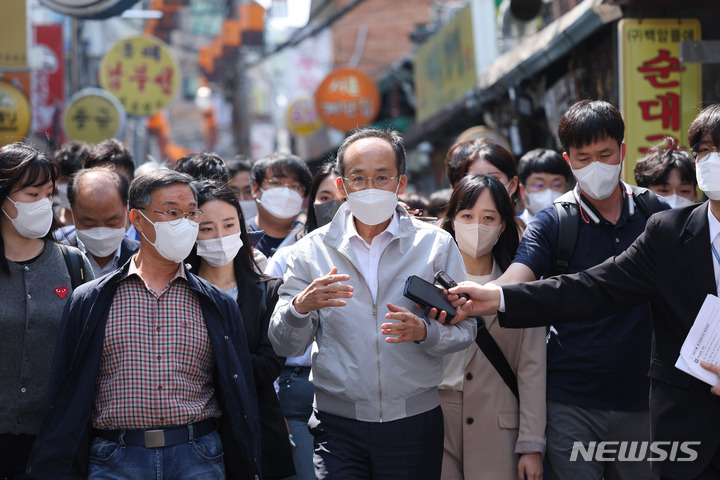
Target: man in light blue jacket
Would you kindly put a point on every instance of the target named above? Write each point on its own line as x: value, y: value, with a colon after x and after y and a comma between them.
x: 377, y: 358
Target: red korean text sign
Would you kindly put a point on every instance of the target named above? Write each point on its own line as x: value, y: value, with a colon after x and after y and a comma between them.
x: 660, y: 95
x: 142, y: 73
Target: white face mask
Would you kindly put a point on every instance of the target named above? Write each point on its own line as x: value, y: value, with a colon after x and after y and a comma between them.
x: 372, y: 206
x: 281, y: 202
x: 101, y: 241
x: 249, y: 209
x: 218, y: 252
x: 539, y: 200
x: 707, y: 172
x: 598, y: 180
x: 174, y: 240
x: 33, y: 219
x: 476, y: 239
x: 676, y: 201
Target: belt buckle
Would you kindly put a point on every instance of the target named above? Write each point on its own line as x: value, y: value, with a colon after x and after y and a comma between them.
x: 154, y: 438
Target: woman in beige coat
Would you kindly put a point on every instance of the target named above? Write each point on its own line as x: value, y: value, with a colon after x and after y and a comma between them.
x: 489, y: 434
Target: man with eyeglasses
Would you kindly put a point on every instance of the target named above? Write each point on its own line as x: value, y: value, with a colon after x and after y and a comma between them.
x: 151, y: 374
x: 673, y: 265
x: 280, y: 183
x: 378, y: 357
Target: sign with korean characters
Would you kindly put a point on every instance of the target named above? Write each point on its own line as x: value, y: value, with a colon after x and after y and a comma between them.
x: 347, y: 99
x: 659, y: 95
x: 13, y: 35
x: 14, y: 113
x: 302, y: 118
x: 142, y: 73
x: 93, y: 115
x: 445, y: 66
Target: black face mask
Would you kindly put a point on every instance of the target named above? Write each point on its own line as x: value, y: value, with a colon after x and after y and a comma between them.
x: 324, y: 212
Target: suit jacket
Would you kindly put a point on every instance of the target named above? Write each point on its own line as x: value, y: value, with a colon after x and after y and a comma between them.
x: 670, y: 265
x: 257, y: 301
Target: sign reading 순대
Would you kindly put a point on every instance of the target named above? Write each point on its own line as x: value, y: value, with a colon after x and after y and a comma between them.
x: 347, y: 99
x: 142, y: 73
x: 660, y: 96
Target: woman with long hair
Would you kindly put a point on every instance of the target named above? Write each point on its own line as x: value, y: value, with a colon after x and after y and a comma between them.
x: 223, y: 256
x: 489, y: 432
x: 36, y: 285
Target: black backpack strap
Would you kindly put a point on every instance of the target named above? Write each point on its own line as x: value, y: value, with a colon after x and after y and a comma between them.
x: 75, y: 265
x: 492, y: 352
x: 568, y: 226
x: 646, y: 201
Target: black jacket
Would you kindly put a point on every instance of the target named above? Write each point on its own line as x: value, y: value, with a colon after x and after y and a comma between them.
x: 257, y: 301
x: 62, y: 445
x: 671, y: 266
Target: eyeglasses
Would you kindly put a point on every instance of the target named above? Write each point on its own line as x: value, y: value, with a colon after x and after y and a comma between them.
x: 175, y: 214
x: 358, y: 182
x: 275, y: 183
x: 703, y: 149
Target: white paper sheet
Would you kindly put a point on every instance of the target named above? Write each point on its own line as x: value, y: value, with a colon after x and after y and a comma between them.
x: 702, y: 342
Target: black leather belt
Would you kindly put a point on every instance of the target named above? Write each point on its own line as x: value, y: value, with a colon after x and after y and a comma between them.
x: 157, y: 438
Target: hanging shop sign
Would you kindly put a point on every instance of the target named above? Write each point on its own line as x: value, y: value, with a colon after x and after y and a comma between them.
x: 142, y: 73
x: 48, y: 79
x: 94, y: 9
x: 445, y: 66
x: 14, y: 35
x: 347, y: 99
x: 14, y: 113
x: 302, y: 118
x: 93, y: 115
x: 659, y: 95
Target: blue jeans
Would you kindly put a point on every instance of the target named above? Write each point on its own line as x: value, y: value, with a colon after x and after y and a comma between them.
x: 410, y: 448
x: 200, y: 458
x: 296, y: 399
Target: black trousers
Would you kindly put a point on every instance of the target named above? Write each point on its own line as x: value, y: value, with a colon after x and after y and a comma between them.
x: 407, y: 449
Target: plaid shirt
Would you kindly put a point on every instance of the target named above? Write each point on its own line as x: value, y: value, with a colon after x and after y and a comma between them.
x: 157, y: 361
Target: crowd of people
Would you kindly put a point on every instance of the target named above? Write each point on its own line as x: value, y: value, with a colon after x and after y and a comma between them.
x: 223, y: 318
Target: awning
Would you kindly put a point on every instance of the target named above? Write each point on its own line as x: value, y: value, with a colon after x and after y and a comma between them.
x: 540, y: 50
x: 535, y: 53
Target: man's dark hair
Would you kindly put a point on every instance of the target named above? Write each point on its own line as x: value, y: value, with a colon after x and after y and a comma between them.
x: 390, y: 136
x: 543, y: 160
x: 203, y: 166
x: 239, y: 163
x: 69, y: 158
x: 590, y: 121
x: 282, y: 165
x: 438, y: 202
x: 706, y: 123
x: 142, y: 187
x: 120, y: 182
x: 111, y: 152
x: 458, y: 152
x: 655, y: 166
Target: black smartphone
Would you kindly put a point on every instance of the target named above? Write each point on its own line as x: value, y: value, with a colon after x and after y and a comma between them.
x: 428, y: 295
x: 444, y: 279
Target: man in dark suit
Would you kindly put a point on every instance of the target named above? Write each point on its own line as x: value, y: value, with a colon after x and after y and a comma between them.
x: 98, y: 199
x: 673, y: 265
